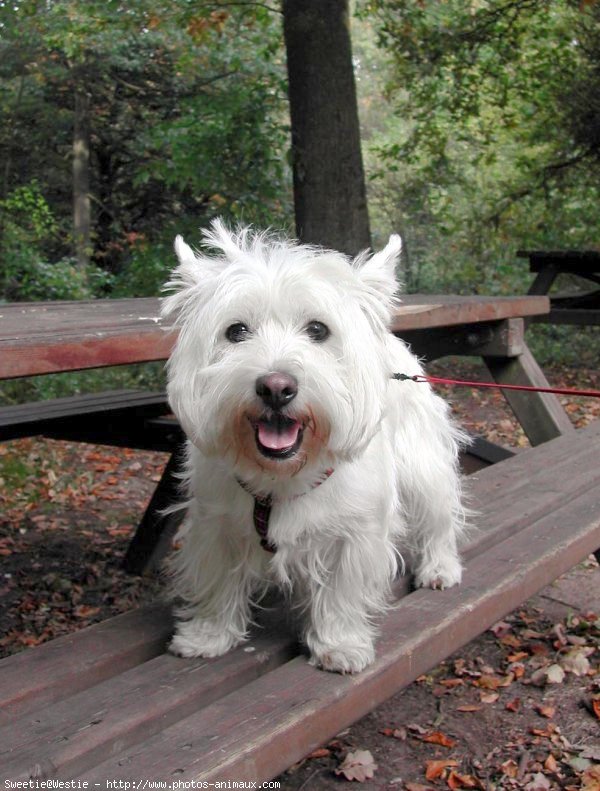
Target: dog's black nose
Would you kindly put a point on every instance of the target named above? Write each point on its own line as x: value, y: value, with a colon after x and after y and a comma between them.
x: 276, y: 389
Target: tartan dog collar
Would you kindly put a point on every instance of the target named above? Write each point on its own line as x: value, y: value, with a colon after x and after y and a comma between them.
x: 264, y: 505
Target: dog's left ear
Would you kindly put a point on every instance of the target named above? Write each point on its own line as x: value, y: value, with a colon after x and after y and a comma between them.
x: 378, y: 272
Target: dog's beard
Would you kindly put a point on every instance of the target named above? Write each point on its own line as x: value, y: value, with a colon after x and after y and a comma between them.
x: 275, y: 442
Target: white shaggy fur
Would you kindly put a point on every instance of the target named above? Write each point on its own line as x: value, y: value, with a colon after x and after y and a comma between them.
x: 395, y: 486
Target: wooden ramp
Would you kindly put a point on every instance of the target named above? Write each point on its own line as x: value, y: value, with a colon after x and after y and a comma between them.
x: 108, y: 704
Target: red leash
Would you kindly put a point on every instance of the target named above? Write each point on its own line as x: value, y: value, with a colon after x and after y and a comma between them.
x: 419, y: 378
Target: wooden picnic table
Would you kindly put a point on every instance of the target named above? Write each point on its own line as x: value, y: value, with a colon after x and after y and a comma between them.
x: 250, y: 714
x: 576, y: 307
x: 52, y: 337
x: 56, y: 337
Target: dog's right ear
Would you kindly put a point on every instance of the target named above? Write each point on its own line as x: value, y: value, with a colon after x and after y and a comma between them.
x: 184, y: 278
x: 188, y: 263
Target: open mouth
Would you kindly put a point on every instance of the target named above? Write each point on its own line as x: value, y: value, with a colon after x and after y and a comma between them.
x: 278, y: 436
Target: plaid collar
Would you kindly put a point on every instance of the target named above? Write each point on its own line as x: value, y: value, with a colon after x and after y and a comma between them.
x: 264, y: 505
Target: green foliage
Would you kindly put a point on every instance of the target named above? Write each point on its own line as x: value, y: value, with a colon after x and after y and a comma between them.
x: 28, y: 229
x: 147, y: 376
x: 477, y: 158
x: 147, y: 270
x: 187, y: 115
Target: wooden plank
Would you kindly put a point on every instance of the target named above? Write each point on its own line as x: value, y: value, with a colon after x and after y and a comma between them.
x: 273, y: 722
x: 76, y: 661
x: 502, y: 338
x: 83, y: 404
x: 540, y: 414
x: 574, y: 261
x: 447, y: 311
x: 585, y: 317
x: 44, y: 416
x: 510, y: 494
x: 69, y: 736
x: 37, y: 338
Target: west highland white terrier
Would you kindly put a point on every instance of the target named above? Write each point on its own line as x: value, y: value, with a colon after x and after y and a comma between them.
x: 308, y: 465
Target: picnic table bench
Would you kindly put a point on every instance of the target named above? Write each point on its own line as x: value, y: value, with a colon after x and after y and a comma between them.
x: 576, y: 307
x: 107, y: 703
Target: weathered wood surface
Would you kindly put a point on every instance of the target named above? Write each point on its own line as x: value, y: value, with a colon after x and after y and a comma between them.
x: 580, y: 308
x: 578, y: 262
x: 540, y: 414
x: 101, y: 706
x: 67, y: 415
x: 48, y: 337
x: 76, y: 661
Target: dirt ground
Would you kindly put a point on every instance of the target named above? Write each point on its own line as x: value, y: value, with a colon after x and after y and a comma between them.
x: 517, y: 708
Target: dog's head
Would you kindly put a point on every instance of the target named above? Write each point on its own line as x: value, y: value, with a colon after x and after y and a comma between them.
x: 281, y: 358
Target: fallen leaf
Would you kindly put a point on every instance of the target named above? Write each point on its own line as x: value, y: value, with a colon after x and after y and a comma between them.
x: 513, y: 705
x: 439, y: 738
x: 468, y: 708
x: 553, y: 674
x: 510, y: 768
x: 452, y: 682
x: 517, y: 657
x: 596, y: 707
x: 550, y: 763
x: 417, y: 787
x: 436, y: 769
x: 358, y: 766
x: 456, y: 780
x: 590, y: 780
x: 415, y: 728
x: 538, y: 782
x: 489, y: 697
x: 495, y: 682
x: 545, y: 711
x: 576, y: 661
x: 322, y: 752
x: 395, y: 733
x: 546, y: 734
x: 511, y: 641
x: 83, y: 611
x: 500, y: 629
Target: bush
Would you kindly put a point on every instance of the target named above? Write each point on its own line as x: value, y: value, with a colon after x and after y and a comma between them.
x: 28, y: 229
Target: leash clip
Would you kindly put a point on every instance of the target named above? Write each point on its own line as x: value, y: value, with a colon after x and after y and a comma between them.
x: 407, y: 378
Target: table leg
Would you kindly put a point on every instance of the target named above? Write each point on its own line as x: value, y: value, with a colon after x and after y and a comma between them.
x: 156, y: 530
x: 540, y: 414
x: 544, y: 281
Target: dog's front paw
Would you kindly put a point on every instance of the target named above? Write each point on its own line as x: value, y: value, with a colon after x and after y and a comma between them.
x: 202, y: 638
x: 343, y: 658
x: 439, y: 573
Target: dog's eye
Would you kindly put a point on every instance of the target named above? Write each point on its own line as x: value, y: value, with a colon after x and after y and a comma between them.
x: 317, y: 331
x: 236, y: 333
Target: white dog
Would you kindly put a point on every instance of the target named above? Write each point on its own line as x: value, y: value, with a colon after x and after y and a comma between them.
x: 308, y: 465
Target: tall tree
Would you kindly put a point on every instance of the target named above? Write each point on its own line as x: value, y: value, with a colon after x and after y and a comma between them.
x: 82, y: 220
x: 329, y: 185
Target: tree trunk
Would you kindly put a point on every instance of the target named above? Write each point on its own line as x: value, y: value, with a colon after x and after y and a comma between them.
x: 329, y: 184
x: 81, y: 179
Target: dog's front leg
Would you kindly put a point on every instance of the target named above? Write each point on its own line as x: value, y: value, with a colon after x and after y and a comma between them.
x: 339, y: 632
x: 215, y: 579
x: 437, y: 521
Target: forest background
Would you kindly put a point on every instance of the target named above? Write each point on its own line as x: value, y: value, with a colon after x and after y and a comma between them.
x: 124, y: 124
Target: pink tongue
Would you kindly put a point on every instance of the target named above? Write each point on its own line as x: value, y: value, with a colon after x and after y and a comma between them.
x: 274, y: 439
